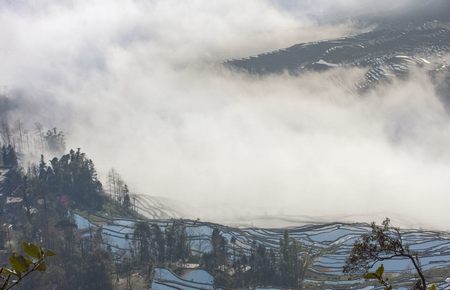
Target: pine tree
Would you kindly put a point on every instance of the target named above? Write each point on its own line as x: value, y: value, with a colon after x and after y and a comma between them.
x: 170, y: 243
x: 142, y: 236
x: 158, y: 243
x: 126, y: 197
x: 218, y: 255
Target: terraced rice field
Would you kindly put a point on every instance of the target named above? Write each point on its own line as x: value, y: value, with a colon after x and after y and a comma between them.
x: 164, y: 279
x: 330, y: 243
x: 385, y: 52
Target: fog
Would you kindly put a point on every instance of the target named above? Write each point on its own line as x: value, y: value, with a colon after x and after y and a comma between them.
x: 139, y: 86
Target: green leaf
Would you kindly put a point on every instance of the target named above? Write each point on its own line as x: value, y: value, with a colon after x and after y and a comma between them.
x: 370, y: 276
x: 18, y: 263
x: 42, y: 267
x: 32, y: 250
x: 50, y: 253
x: 433, y: 287
x: 379, y: 272
x: 28, y: 262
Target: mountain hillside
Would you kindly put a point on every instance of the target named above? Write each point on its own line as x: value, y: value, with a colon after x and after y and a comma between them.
x: 329, y: 244
x: 386, y: 52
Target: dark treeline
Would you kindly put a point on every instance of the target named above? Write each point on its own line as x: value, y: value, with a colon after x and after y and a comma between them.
x: 31, y: 139
x: 8, y: 156
x: 118, y: 189
x: 156, y: 247
x: 50, y: 191
x: 72, y: 177
x: 284, y: 266
x: 40, y: 208
x: 232, y: 268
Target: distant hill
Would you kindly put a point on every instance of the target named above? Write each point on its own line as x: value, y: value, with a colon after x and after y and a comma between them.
x: 388, y: 51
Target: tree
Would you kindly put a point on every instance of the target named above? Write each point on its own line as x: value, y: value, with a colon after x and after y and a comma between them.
x: 261, y: 266
x: 293, y: 262
x: 96, y: 272
x: 170, y: 243
x: 219, y: 251
x: 158, y: 243
x: 38, y: 130
x: 384, y: 242
x: 284, y: 258
x: 9, y: 156
x: 182, y: 247
x: 142, y: 235
x: 218, y: 255
x: 117, y: 188
x: 55, y: 141
x: 126, y: 197
x: 73, y: 175
x: 5, y: 132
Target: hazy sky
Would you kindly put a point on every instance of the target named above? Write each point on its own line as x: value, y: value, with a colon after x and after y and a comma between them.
x: 139, y: 86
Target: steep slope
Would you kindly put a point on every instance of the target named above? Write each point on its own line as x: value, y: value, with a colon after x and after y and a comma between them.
x: 156, y: 207
x: 386, y: 52
x: 330, y: 244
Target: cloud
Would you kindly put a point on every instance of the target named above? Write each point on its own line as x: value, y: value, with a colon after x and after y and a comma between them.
x: 380, y: 12
x: 140, y: 87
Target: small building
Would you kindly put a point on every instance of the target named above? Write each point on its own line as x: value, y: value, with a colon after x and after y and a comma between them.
x: 13, y: 204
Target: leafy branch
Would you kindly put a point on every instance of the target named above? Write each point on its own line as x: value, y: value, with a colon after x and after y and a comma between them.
x: 378, y: 275
x: 383, y: 243
x: 21, y: 266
